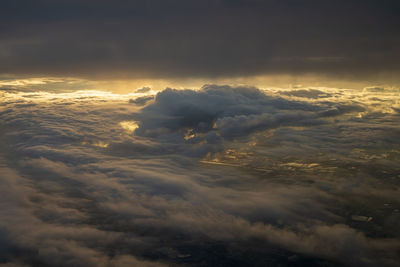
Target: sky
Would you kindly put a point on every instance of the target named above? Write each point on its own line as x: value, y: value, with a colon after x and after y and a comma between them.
x: 199, y: 133
x: 202, y: 41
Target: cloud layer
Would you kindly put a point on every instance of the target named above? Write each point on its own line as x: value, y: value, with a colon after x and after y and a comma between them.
x: 177, y: 38
x: 220, y: 176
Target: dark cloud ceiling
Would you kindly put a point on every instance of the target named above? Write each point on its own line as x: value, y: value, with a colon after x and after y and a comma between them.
x: 163, y: 39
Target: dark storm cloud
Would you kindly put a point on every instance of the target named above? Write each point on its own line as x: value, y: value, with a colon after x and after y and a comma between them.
x: 198, y: 38
x: 228, y: 112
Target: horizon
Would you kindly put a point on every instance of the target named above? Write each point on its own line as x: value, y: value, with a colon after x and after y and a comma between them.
x: 199, y: 133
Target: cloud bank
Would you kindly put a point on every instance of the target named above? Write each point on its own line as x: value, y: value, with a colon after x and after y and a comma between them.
x: 220, y: 176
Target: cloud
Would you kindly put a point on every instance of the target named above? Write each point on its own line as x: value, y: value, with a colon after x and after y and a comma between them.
x: 65, y: 39
x: 224, y: 111
x: 219, y: 175
x: 308, y: 93
x: 144, y: 89
x: 141, y: 100
x: 373, y: 89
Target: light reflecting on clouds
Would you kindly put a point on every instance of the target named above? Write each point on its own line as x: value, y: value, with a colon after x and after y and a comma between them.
x: 213, y: 176
x: 129, y: 126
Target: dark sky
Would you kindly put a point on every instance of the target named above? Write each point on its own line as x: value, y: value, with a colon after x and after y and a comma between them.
x: 202, y: 39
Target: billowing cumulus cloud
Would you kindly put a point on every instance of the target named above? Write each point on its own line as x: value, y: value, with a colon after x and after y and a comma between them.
x: 220, y: 112
x: 219, y: 176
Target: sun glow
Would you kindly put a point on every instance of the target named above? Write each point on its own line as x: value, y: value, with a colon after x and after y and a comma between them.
x: 129, y: 126
x: 81, y: 95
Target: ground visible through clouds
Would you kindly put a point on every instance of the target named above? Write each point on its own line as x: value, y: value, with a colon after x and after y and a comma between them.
x: 219, y: 176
